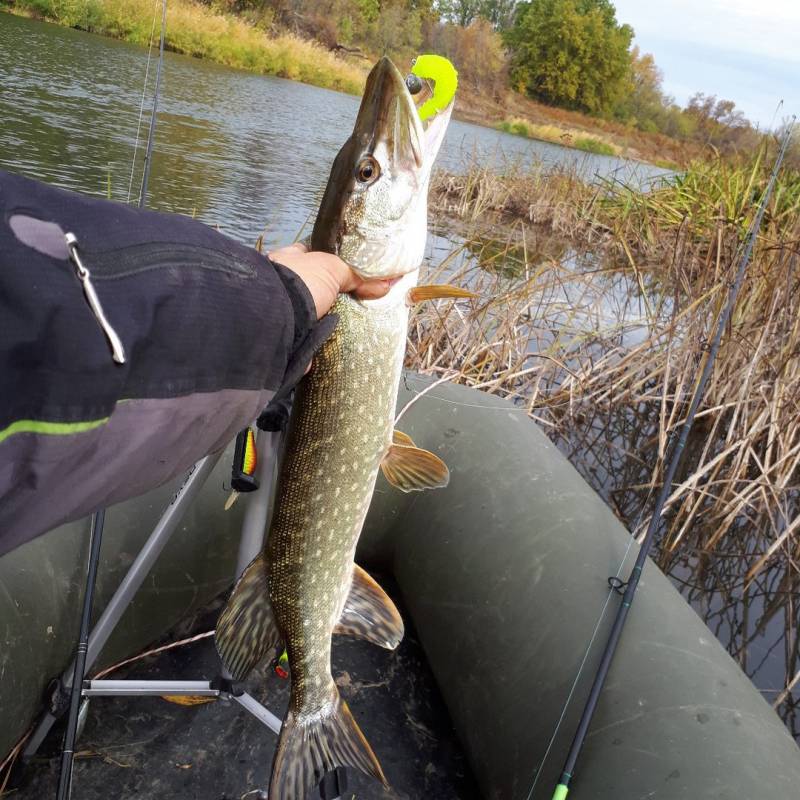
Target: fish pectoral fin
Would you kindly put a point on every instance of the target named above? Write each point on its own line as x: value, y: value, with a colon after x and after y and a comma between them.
x: 246, y: 630
x: 398, y: 437
x: 437, y: 291
x: 412, y: 469
x: 310, y: 747
x: 370, y: 614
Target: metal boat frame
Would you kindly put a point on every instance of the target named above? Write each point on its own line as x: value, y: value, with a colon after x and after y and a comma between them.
x: 251, y: 541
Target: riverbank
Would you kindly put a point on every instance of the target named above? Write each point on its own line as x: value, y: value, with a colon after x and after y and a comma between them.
x: 197, y: 31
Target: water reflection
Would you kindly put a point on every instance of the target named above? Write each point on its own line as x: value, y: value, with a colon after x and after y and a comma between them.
x: 615, y: 451
x: 241, y: 151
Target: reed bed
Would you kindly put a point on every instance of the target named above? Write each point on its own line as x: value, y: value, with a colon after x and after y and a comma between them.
x: 601, y: 340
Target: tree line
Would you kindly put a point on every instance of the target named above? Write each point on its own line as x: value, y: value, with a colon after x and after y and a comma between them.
x: 571, y: 54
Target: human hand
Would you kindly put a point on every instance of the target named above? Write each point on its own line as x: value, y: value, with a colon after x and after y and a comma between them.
x: 326, y: 276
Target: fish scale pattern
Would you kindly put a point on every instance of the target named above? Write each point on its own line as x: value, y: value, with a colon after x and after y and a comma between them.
x: 341, y: 428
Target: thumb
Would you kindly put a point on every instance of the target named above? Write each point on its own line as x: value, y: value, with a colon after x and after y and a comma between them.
x: 372, y: 289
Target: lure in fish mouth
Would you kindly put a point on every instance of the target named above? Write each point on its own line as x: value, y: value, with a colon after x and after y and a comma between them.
x: 304, y: 586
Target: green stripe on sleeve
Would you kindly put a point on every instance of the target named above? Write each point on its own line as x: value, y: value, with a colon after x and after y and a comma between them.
x: 50, y: 428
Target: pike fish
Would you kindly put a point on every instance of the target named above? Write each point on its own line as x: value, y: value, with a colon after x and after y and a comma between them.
x: 305, y: 586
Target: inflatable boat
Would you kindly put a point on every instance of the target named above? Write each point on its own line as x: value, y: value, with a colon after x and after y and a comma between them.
x: 504, y: 573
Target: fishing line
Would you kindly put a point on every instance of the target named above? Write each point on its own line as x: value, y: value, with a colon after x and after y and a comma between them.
x: 675, y: 449
x: 141, y: 105
x: 154, y: 113
x: 673, y: 463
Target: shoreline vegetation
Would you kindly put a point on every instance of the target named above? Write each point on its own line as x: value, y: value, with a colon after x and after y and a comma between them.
x: 566, y: 137
x: 562, y: 71
x: 203, y: 31
x: 198, y: 31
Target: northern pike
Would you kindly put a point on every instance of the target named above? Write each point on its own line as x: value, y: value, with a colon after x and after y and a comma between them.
x: 305, y: 586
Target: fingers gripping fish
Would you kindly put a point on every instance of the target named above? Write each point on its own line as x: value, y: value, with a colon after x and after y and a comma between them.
x: 305, y: 586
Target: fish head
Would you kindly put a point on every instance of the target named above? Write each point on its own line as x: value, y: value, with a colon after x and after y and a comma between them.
x: 374, y: 211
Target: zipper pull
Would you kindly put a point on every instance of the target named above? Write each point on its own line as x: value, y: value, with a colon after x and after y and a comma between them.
x: 85, y: 277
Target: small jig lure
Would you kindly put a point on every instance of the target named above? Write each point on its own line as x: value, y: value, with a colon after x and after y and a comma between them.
x: 445, y: 79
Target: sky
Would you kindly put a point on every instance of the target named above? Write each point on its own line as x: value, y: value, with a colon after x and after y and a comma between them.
x: 747, y: 51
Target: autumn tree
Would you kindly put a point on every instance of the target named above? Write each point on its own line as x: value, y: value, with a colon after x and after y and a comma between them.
x: 500, y: 13
x: 476, y: 50
x: 719, y: 123
x: 459, y: 12
x: 645, y: 102
x: 571, y: 53
x: 396, y: 30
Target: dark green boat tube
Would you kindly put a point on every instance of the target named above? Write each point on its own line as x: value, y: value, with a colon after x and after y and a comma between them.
x: 504, y: 573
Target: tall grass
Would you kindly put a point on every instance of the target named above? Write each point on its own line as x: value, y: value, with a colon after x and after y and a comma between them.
x: 602, y: 343
x: 197, y: 30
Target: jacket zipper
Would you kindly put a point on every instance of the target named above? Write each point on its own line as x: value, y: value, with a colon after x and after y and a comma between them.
x: 85, y: 277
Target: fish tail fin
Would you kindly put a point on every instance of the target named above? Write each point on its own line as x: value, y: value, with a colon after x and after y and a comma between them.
x: 309, y: 748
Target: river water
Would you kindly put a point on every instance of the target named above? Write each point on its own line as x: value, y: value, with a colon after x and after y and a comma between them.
x: 241, y: 151
x: 251, y: 154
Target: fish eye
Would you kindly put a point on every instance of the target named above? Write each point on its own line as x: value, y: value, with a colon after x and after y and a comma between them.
x: 368, y: 170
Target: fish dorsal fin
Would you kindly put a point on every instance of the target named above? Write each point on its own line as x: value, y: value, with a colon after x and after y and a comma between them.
x: 370, y: 614
x: 398, y: 437
x: 412, y: 469
x: 246, y: 630
x: 437, y: 291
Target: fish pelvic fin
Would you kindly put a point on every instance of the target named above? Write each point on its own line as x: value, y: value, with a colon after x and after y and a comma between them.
x: 412, y: 469
x: 246, y: 630
x: 370, y: 614
x: 312, y: 744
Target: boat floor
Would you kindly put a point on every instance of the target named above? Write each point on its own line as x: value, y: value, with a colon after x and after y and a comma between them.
x: 148, y: 748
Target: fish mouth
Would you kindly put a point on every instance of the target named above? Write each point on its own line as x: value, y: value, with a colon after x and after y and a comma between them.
x: 388, y: 130
x: 388, y: 117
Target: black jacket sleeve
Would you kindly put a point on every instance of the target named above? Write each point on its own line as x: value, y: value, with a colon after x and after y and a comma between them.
x: 212, y: 330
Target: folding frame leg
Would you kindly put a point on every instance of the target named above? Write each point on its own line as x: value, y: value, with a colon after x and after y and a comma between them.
x: 127, y: 589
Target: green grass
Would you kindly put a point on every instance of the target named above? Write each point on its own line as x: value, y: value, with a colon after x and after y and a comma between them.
x: 199, y: 31
x: 591, y: 145
x: 567, y: 137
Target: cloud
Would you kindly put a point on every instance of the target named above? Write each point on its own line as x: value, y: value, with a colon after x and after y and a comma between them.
x: 766, y: 27
x: 742, y: 50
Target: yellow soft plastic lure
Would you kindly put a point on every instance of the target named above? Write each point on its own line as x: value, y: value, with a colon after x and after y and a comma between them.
x: 445, y: 79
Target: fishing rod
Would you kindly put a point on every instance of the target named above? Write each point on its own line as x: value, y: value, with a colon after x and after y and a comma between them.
x: 152, y: 130
x: 632, y: 583
x: 64, y: 787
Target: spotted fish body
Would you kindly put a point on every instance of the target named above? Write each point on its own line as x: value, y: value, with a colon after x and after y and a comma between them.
x: 305, y: 586
x: 342, y: 428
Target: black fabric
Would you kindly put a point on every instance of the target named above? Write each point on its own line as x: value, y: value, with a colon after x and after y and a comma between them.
x: 196, y: 311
